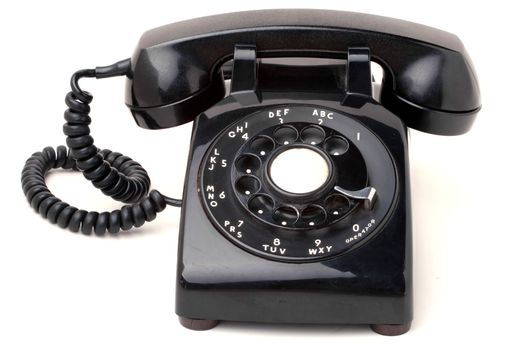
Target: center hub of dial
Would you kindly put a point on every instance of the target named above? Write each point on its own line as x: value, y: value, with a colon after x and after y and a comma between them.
x: 299, y: 170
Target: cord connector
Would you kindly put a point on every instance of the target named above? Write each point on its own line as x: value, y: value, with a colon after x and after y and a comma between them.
x: 116, y: 69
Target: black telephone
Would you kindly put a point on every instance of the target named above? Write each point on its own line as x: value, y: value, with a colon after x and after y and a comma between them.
x: 296, y: 206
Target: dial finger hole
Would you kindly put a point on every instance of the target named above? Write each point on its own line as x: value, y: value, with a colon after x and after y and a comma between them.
x: 337, y: 205
x: 313, y: 215
x: 336, y: 145
x: 312, y: 135
x: 262, y: 145
x: 260, y: 204
x: 248, y: 163
x: 248, y: 185
x: 286, y: 215
x: 285, y: 135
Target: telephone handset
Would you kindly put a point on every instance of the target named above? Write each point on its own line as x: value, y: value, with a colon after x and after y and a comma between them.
x: 429, y: 81
x: 296, y: 207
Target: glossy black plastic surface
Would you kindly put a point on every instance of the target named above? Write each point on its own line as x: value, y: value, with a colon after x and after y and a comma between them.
x: 429, y: 81
x: 244, y: 84
x: 358, y: 83
x: 218, y: 280
x: 368, y: 281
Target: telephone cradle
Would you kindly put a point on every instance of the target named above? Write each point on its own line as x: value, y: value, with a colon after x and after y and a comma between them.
x: 296, y: 205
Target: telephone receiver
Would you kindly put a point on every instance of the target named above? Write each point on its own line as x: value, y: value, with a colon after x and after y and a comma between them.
x: 296, y: 204
x: 429, y: 80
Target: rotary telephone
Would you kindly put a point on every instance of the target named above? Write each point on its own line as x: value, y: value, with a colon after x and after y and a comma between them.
x: 296, y: 206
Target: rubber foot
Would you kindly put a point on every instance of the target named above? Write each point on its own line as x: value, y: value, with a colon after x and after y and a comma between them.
x: 390, y: 329
x: 197, y: 325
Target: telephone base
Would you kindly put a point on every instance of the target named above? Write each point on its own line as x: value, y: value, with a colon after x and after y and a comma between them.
x: 220, y: 280
x: 197, y: 324
x: 391, y: 329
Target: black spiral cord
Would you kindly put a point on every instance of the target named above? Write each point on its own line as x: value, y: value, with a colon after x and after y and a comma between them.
x: 115, y: 174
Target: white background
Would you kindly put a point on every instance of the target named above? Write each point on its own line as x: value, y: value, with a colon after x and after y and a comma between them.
x: 68, y: 291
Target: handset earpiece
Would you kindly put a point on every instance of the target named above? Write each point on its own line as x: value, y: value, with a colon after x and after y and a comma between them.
x: 436, y: 91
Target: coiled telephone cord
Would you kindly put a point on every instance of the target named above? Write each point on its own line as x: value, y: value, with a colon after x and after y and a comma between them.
x: 115, y: 174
